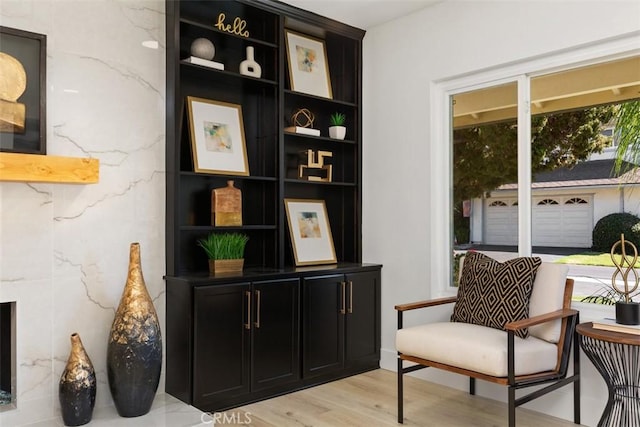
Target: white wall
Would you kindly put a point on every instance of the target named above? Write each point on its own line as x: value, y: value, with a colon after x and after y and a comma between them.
x: 64, y: 248
x: 401, y: 59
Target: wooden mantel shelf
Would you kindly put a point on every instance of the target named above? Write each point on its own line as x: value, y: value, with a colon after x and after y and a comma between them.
x: 52, y: 169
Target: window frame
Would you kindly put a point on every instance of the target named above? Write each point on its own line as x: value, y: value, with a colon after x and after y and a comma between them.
x: 441, y: 93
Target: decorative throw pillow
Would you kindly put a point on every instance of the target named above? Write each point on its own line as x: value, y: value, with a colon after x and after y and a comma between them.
x: 492, y: 293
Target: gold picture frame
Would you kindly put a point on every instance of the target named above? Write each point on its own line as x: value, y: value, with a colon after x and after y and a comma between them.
x: 218, y: 143
x: 308, y: 65
x: 310, y: 232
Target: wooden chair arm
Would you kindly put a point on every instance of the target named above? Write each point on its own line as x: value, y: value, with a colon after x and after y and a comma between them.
x: 536, y: 320
x: 427, y: 303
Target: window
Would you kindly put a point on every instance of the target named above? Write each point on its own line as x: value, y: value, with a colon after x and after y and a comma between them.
x: 540, y: 93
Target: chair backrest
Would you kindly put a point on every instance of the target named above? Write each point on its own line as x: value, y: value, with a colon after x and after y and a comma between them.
x: 548, y: 295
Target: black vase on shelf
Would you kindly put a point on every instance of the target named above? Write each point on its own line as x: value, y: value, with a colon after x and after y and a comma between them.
x: 134, y: 351
x: 77, y: 388
x: 628, y: 313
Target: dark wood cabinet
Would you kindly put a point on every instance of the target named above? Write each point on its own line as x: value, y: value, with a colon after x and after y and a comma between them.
x: 341, y: 322
x: 237, y: 339
x: 245, y: 339
x: 275, y: 334
x: 222, y: 336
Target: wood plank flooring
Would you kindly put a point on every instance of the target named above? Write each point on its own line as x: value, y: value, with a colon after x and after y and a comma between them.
x: 369, y: 400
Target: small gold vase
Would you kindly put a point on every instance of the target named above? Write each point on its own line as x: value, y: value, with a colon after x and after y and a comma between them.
x: 77, y: 388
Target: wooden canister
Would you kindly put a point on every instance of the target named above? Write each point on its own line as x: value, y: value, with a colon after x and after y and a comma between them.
x: 226, y: 206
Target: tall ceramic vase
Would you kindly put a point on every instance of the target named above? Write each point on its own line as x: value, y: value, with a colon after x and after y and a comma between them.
x: 77, y: 388
x: 134, y: 351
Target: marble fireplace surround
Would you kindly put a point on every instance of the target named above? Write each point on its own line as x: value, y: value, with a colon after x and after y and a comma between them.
x: 64, y: 248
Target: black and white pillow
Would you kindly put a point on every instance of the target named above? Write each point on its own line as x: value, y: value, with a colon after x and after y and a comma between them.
x: 493, y: 293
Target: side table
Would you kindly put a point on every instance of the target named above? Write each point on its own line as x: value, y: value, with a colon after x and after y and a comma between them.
x: 617, y: 357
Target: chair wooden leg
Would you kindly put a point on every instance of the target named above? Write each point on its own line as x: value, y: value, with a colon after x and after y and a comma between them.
x: 400, y: 393
x: 472, y: 386
x: 512, y: 406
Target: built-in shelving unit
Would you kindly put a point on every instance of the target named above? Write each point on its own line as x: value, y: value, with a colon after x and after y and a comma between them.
x: 245, y: 337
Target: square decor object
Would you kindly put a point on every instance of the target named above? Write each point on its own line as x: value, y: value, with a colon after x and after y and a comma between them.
x: 492, y: 293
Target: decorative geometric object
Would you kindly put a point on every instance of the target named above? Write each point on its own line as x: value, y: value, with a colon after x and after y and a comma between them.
x: 492, y: 293
x: 303, y: 118
x: 627, y: 311
x: 134, y: 351
x: 77, y: 387
x: 312, y: 167
x: 226, y: 206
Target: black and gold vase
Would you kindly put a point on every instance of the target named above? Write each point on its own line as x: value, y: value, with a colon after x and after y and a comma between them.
x: 77, y: 388
x: 134, y: 351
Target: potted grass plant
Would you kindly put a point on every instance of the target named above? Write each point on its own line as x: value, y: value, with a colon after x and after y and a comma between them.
x: 225, y: 251
x: 337, y: 129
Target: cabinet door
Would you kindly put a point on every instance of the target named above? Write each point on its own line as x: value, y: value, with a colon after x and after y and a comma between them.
x: 362, y: 318
x: 323, y: 325
x: 221, y: 343
x: 275, y: 340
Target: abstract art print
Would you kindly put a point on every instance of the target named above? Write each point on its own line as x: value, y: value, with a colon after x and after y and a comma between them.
x: 308, y: 66
x: 310, y: 232
x: 218, y: 142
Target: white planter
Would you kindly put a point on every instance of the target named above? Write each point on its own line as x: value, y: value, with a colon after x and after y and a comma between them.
x: 337, y: 132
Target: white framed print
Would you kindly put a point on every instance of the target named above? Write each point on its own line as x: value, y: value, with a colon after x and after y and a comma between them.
x: 218, y: 143
x: 310, y: 232
x: 308, y: 66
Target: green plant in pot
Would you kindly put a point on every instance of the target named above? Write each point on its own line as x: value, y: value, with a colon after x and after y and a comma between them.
x: 337, y: 129
x: 627, y: 311
x: 225, y: 251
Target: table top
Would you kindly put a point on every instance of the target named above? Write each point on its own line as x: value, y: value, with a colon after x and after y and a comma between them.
x: 588, y: 330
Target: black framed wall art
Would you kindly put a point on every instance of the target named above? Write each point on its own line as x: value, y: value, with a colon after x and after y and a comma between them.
x: 23, y: 79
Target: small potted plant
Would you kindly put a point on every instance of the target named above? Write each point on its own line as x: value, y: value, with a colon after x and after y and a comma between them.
x: 337, y: 130
x: 225, y: 251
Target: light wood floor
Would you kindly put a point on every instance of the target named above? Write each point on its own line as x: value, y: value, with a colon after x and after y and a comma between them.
x: 369, y: 400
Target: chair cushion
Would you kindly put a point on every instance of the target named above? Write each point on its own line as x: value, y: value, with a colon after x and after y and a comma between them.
x: 548, y: 296
x: 492, y: 293
x: 476, y: 348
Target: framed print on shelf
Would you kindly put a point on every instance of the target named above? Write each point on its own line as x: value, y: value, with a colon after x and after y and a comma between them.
x: 308, y: 66
x: 23, y: 81
x: 218, y: 144
x: 310, y: 232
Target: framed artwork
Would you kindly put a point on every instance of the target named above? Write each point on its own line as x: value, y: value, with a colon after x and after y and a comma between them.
x: 310, y: 232
x: 23, y: 83
x: 217, y: 137
x: 308, y: 66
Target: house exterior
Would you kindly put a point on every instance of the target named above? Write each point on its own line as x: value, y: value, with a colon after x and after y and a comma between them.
x: 567, y: 204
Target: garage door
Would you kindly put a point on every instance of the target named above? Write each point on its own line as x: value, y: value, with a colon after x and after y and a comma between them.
x: 562, y: 221
x: 501, y: 222
x: 565, y: 221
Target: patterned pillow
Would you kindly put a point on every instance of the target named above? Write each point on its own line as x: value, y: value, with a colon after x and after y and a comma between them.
x: 492, y: 293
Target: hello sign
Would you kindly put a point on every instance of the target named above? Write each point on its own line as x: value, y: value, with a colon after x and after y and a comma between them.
x: 237, y: 28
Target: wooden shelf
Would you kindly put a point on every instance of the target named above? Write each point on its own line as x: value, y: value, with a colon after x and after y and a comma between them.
x: 51, y: 169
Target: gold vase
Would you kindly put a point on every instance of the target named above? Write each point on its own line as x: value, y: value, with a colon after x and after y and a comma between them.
x: 134, y: 351
x: 77, y: 388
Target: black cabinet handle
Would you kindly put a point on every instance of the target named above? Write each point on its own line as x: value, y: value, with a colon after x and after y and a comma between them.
x: 343, y: 303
